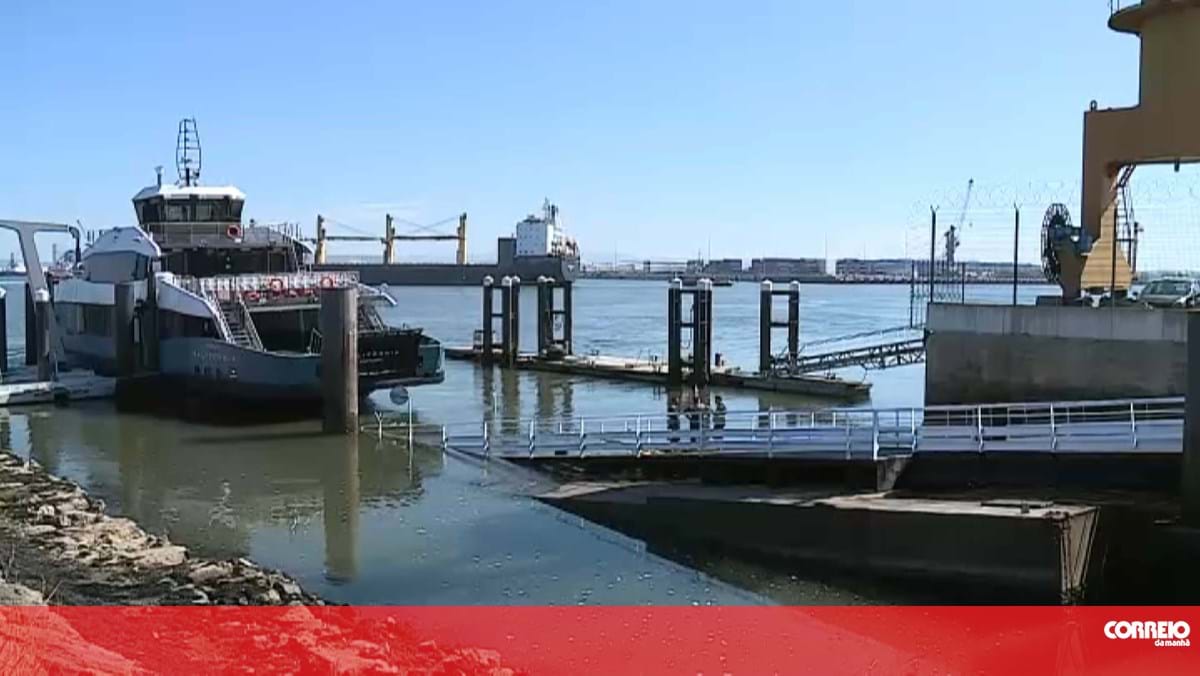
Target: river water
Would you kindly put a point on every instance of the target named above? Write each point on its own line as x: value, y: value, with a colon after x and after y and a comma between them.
x: 369, y: 522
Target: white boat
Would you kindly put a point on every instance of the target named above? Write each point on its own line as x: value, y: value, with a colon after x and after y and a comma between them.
x: 236, y: 305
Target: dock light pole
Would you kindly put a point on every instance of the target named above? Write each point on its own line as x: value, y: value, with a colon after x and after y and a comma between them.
x: 489, y: 316
x: 675, y: 333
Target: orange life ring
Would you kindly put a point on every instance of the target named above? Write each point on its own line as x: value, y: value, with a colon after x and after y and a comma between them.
x: 276, y: 285
x: 234, y: 231
x: 327, y: 282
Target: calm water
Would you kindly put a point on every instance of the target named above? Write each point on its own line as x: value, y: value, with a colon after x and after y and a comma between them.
x: 365, y: 522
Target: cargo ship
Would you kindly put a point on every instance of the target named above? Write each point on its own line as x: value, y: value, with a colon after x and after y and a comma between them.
x: 539, y: 248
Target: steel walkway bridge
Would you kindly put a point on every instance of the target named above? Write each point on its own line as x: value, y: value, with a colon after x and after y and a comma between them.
x: 1150, y: 426
x: 887, y: 348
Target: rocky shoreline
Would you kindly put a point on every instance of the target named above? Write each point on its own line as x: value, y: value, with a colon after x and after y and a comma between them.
x: 57, y: 546
x: 59, y: 550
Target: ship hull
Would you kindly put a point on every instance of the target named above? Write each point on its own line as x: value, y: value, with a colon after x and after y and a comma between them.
x: 419, y: 274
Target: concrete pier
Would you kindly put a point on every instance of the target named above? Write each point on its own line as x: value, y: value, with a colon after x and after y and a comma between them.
x: 992, y: 353
x: 338, y: 322
x: 994, y: 550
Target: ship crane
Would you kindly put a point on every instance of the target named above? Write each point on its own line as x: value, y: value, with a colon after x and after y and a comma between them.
x: 421, y: 233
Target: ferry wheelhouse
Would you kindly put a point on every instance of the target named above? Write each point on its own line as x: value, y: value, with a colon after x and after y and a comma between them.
x: 236, y: 305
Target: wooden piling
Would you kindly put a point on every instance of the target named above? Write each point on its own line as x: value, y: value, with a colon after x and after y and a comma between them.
x: 675, y: 333
x: 793, y: 322
x: 568, y: 314
x: 515, y: 308
x: 489, y: 315
x: 41, y: 312
x: 702, y: 303
x: 506, y: 324
x: 31, y: 334
x: 150, y: 333
x: 338, y: 322
x: 765, y: 322
x: 3, y: 331
x: 545, y: 315
x: 124, y: 303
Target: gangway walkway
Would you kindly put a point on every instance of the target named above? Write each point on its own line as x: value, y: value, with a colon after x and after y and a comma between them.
x: 1113, y: 426
x: 886, y: 348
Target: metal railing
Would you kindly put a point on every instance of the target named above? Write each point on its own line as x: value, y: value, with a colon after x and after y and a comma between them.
x: 1112, y: 426
x: 226, y: 287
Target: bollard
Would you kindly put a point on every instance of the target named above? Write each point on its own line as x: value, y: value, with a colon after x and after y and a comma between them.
x: 675, y: 333
x: 3, y: 331
x: 486, y: 356
x: 123, y: 345
x: 338, y: 323
x: 765, y: 297
x: 506, y: 324
x: 41, y: 313
x: 1190, y: 484
x: 31, y: 342
x: 793, y: 325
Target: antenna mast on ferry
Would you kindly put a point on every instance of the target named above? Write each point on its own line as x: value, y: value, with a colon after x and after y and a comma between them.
x: 187, y: 152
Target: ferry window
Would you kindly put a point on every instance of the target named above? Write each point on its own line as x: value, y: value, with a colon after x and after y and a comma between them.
x: 204, y: 212
x: 235, y: 211
x: 175, y: 212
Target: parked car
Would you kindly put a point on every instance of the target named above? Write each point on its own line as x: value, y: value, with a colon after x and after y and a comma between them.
x: 1170, y: 292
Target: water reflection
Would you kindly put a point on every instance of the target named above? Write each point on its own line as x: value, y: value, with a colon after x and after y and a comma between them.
x: 340, y: 508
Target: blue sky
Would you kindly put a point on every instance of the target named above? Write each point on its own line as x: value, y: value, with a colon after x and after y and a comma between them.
x: 661, y: 128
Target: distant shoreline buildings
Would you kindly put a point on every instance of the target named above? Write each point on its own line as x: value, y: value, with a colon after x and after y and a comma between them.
x: 813, y: 270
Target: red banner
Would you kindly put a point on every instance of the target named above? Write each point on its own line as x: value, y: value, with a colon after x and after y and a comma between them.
x: 755, y: 640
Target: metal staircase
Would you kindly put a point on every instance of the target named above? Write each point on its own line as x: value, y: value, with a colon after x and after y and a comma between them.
x: 240, y: 325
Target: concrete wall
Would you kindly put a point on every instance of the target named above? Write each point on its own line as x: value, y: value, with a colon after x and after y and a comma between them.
x: 981, y: 353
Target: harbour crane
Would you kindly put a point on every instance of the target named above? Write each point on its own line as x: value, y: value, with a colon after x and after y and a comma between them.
x: 952, y: 235
x: 426, y: 234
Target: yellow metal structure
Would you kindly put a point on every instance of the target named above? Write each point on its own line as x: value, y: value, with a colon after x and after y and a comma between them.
x: 1163, y: 128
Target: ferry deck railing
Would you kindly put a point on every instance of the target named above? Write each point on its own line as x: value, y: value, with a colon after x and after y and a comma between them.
x: 227, y: 287
x: 1110, y: 426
